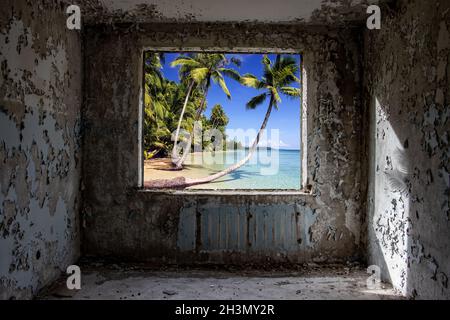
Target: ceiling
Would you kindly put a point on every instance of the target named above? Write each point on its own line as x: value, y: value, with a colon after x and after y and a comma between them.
x: 263, y: 11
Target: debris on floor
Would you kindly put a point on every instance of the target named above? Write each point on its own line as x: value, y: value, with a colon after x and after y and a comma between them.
x: 136, y: 282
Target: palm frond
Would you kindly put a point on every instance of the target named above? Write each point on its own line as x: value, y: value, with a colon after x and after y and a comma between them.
x: 224, y: 87
x: 291, y: 92
x: 285, y: 70
x: 266, y: 61
x: 275, y: 94
x: 185, y: 61
x: 256, y: 101
x: 162, y: 131
x: 199, y: 74
x: 230, y: 73
x: 286, y: 73
x: 236, y: 61
x: 158, y: 144
x: 285, y: 60
x: 160, y: 109
x: 250, y: 80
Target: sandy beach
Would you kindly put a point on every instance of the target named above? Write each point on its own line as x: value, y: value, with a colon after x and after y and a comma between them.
x: 161, y: 168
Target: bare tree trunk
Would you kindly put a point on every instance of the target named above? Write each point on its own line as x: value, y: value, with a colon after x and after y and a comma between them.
x: 182, y: 182
x: 175, y: 158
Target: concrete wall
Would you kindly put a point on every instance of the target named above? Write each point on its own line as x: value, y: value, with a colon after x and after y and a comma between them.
x: 407, y: 90
x: 123, y: 222
x: 40, y: 102
x: 313, y: 12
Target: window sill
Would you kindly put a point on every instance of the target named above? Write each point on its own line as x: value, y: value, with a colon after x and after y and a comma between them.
x: 243, y: 192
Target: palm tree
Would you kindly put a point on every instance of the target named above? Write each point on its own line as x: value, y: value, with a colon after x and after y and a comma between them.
x: 218, y: 118
x: 199, y: 69
x: 156, y: 107
x: 163, y: 99
x: 191, y: 84
x: 215, y: 64
x: 154, y: 81
x: 160, y: 136
x: 277, y: 78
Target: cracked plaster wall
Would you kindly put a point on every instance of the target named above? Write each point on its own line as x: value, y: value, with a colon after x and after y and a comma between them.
x: 120, y: 221
x: 407, y: 90
x: 311, y: 12
x: 407, y: 95
x: 40, y: 104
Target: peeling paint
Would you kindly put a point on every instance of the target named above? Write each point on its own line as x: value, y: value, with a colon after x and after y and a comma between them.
x: 179, y: 227
x: 408, y: 95
x: 378, y: 115
x: 40, y: 90
x: 323, y: 12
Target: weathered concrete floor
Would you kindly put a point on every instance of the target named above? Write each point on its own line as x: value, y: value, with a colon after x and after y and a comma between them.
x: 118, y: 283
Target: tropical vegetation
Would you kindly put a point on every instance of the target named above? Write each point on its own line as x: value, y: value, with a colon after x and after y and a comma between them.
x: 173, y: 107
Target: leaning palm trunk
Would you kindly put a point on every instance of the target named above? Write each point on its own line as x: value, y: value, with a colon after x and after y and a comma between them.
x: 175, y: 158
x: 182, y: 182
x: 202, y: 105
x: 180, y: 161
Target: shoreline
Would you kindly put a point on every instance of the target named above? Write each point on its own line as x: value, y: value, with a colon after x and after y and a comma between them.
x: 203, y: 164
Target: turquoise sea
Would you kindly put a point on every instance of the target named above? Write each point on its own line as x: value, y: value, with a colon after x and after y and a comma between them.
x: 267, y: 169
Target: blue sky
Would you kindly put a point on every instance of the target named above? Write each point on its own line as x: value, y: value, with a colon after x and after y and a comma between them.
x: 286, y: 119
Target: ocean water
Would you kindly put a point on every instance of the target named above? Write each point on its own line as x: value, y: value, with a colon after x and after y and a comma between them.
x: 267, y: 169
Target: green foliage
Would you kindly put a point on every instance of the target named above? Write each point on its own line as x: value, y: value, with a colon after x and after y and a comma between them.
x: 164, y: 99
x: 204, y: 67
x: 277, y: 78
x: 163, y: 102
x: 256, y: 101
x: 218, y: 118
